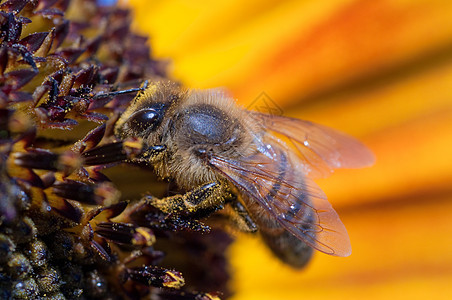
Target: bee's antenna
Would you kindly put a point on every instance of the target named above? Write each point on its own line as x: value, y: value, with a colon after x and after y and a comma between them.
x: 111, y: 94
x: 144, y: 85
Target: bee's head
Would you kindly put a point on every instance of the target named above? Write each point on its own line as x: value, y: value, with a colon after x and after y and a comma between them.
x: 148, y: 113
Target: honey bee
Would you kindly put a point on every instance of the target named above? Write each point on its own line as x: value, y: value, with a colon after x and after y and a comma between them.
x: 259, y: 166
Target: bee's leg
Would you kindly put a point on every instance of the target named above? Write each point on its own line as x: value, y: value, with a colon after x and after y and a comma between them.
x: 152, y: 154
x: 198, y: 202
x: 240, y: 218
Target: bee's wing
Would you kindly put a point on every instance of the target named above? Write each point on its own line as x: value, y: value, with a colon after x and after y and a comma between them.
x: 295, y: 202
x: 320, y: 149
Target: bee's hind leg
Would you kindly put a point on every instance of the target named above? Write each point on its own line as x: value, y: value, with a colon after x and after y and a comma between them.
x: 198, y: 202
x: 234, y: 216
x: 240, y: 218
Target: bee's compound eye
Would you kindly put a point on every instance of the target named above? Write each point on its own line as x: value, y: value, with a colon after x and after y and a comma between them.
x: 145, y: 119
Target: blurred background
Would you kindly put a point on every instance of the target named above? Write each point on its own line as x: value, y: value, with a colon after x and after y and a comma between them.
x: 378, y: 70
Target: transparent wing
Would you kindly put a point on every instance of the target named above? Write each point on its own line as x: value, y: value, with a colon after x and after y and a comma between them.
x: 320, y: 149
x: 294, y: 201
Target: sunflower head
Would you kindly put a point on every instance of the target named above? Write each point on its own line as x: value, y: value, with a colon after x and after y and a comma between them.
x: 67, y: 70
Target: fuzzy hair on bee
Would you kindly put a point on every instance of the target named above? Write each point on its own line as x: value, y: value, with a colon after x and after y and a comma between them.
x: 189, y: 121
x: 222, y: 154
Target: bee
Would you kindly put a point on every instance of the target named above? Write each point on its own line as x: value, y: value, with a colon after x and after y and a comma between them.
x: 259, y: 166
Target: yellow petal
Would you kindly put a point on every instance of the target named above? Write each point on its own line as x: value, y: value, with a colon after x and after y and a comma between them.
x: 379, y: 70
x: 399, y: 252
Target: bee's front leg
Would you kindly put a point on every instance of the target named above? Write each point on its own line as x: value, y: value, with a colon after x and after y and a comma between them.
x: 198, y: 202
x: 152, y: 154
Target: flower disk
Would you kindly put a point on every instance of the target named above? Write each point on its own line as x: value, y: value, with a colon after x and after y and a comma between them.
x: 65, y: 232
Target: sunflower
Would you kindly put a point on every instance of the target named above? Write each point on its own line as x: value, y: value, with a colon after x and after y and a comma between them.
x: 67, y: 229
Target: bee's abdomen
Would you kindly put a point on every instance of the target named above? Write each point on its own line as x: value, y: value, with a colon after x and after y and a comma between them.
x: 283, y: 243
x: 288, y: 248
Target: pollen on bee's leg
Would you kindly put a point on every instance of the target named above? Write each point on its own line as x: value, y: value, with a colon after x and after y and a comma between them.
x: 202, y: 193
